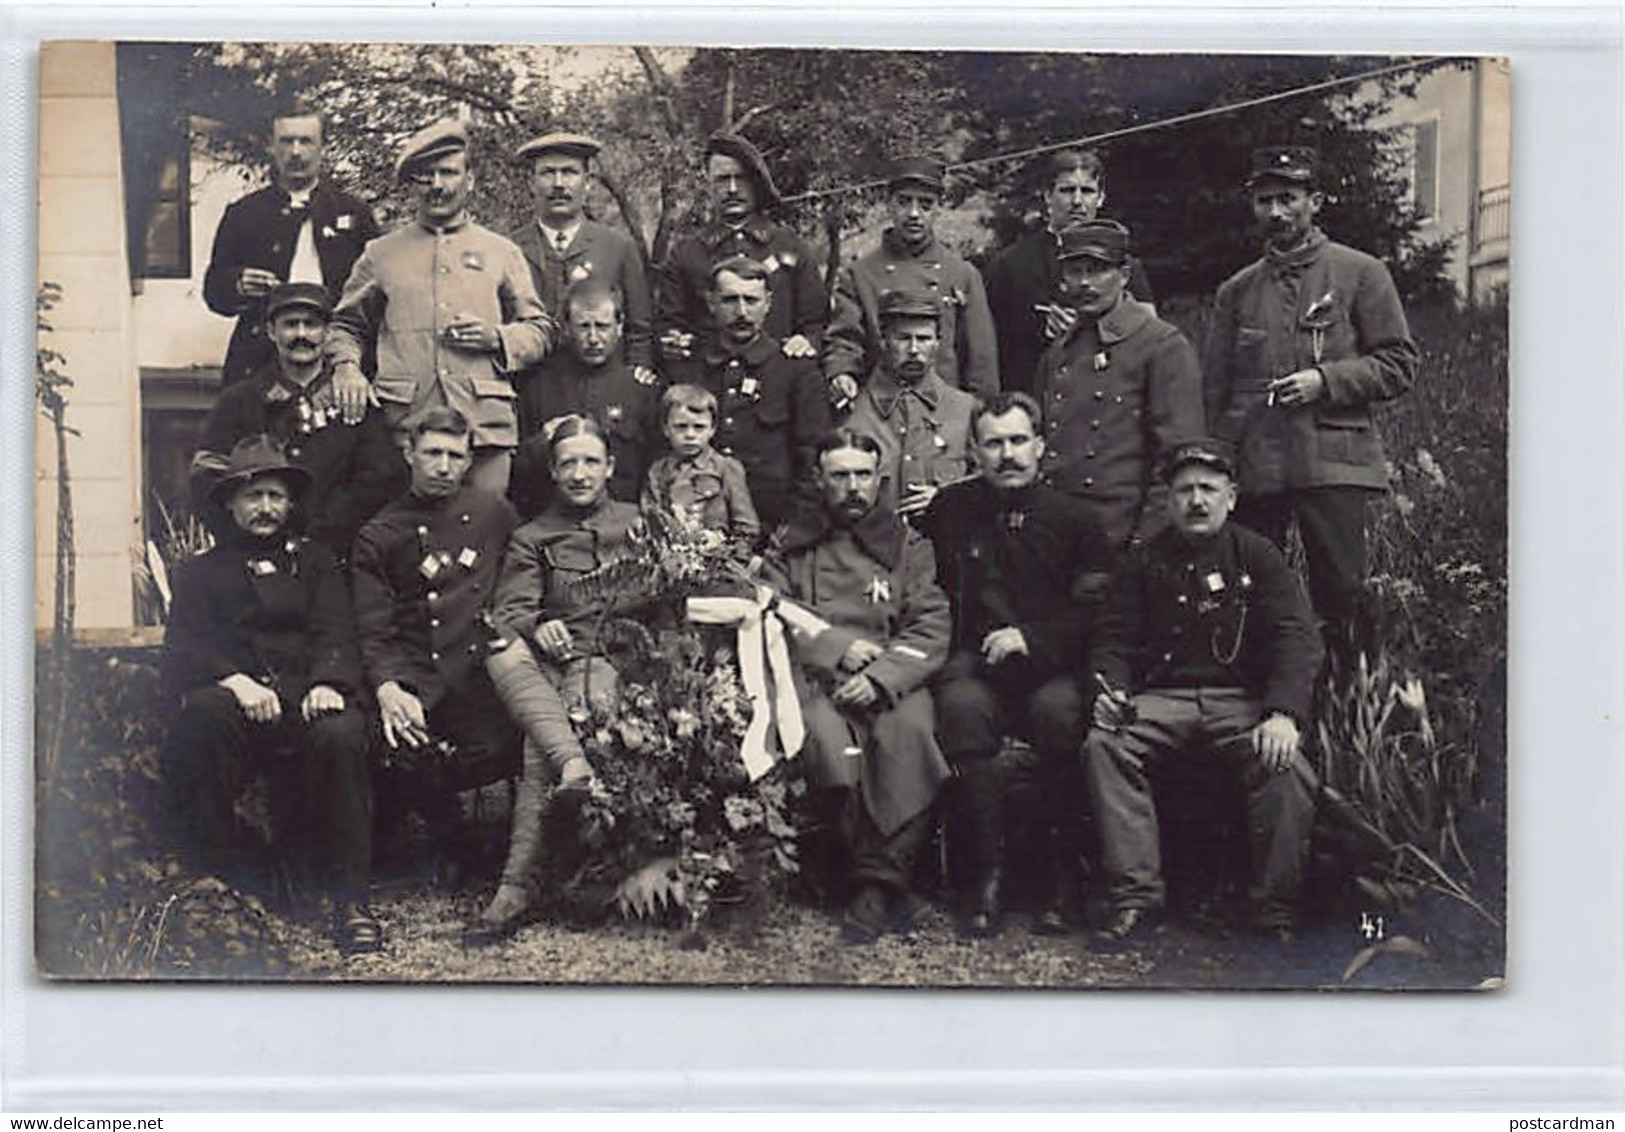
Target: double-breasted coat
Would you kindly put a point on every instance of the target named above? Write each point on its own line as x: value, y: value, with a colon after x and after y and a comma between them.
x: 600, y: 254
x: 969, y: 356
x: 1117, y: 393
x: 874, y: 580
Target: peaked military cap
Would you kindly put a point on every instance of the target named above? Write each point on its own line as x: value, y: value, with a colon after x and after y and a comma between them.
x: 1296, y: 163
x: 435, y: 140
x: 254, y: 456
x: 1208, y: 451
x: 285, y: 296
x: 560, y: 141
x: 736, y: 147
x: 909, y: 304
x: 1105, y: 240
x: 927, y: 172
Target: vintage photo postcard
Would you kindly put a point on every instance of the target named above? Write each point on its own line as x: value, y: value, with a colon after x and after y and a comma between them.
x: 511, y: 513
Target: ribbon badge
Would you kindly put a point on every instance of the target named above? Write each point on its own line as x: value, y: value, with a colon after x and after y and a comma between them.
x: 764, y: 668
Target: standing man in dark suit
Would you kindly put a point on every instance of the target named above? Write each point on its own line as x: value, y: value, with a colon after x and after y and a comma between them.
x: 1302, y: 343
x: 565, y: 250
x: 741, y: 192
x: 1030, y: 306
x: 300, y: 229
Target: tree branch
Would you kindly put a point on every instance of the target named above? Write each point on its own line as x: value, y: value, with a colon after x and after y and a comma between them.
x: 664, y: 92
x: 738, y: 125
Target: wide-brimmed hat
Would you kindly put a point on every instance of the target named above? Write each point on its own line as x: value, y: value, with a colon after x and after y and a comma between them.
x: 736, y: 147
x: 255, y: 456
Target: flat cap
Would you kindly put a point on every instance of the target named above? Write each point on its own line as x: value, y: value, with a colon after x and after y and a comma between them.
x: 926, y: 172
x: 435, y: 140
x: 1297, y: 163
x: 286, y: 295
x: 560, y: 141
x: 1105, y: 240
x: 1208, y: 451
x: 909, y: 304
x: 736, y: 147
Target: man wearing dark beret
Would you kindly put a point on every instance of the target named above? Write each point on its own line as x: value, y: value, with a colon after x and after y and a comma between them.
x: 910, y: 258
x: 451, y: 307
x: 1119, y: 388
x: 300, y: 229
x: 565, y: 250
x: 741, y: 193
x: 1206, y: 646
x: 1301, y: 344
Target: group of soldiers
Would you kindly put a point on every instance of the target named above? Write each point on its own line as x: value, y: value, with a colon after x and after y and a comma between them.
x: 1009, y: 499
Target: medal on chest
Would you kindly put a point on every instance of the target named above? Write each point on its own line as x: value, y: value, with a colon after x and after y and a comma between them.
x: 879, y: 590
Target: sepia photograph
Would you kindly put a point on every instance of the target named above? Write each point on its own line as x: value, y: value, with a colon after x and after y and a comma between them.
x: 511, y: 513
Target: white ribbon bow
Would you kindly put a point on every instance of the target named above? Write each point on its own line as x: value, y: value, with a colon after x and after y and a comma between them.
x: 760, y: 624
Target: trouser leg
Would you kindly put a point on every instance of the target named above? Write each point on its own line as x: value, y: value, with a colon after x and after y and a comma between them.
x: 1116, y: 768
x: 1280, y: 808
x: 205, y: 765
x: 338, y: 797
x: 1055, y: 720
x: 1332, y: 524
x: 885, y: 859
x: 969, y: 726
x: 1269, y: 515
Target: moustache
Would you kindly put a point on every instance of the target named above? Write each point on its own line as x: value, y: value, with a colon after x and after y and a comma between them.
x: 309, y: 343
x: 1010, y: 466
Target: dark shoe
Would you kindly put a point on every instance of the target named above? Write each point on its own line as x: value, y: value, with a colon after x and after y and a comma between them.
x: 357, y: 931
x: 909, y: 913
x: 502, y: 917
x: 1051, y: 921
x: 1126, y: 928
x: 865, y: 917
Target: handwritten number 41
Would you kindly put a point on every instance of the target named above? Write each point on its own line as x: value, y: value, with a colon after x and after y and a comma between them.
x: 1371, y: 926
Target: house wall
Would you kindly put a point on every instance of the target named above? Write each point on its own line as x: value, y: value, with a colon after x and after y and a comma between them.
x: 82, y: 248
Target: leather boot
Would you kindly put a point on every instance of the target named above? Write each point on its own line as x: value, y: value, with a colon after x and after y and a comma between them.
x: 982, y: 811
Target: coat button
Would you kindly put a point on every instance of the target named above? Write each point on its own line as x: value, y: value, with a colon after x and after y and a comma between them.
x: 1167, y: 658
x: 1095, y: 423
x: 434, y: 656
x: 1088, y: 481
x: 434, y: 622
x: 1100, y: 395
x: 467, y: 519
x: 433, y: 596
x: 1089, y: 455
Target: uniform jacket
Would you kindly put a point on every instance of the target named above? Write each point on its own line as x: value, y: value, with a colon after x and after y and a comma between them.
x: 545, y: 559
x: 423, y: 570
x: 1267, y: 321
x: 924, y: 431
x: 277, y: 610
x: 262, y: 230
x: 1116, y: 395
x: 599, y: 253
x: 800, y: 305
x: 628, y: 410
x: 1031, y: 558
x: 354, y: 469
x: 875, y: 580
x: 969, y: 358
x: 1227, y: 612
x: 1025, y: 274
x: 712, y: 487
x: 771, y: 412
x: 408, y: 287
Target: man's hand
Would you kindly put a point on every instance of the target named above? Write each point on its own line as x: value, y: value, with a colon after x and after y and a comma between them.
x: 859, y: 691
x: 1057, y: 320
x: 353, y: 392
x: 843, y: 390
x: 1275, y: 740
x: 1113, y: 710
x: 677, y: 344
x: 553, y: 638
x: 1002, y: 644
x: 1302, y: 388
x: 917, y: 498
x: 256, y: 282
x: 402, y: 715
x: 468, y: 333
x: 259, y: 703
x: 321, y: 700
x: 797, y: 346
x: 858, y: 655
x: 644, y: 375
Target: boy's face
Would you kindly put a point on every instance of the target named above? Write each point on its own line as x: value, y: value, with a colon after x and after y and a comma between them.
x: 689, y: 431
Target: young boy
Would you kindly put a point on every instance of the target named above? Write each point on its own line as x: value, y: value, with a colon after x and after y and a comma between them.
x: 695, y: 479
